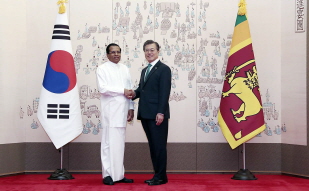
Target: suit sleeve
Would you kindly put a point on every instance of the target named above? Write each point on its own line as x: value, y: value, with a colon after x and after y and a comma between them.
x: 137, y: 93
x: 164, y: 90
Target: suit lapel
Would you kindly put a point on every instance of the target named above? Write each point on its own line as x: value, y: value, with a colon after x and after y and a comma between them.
x: 142, y: 81
x: 153, y: 70
x: 143, y: 73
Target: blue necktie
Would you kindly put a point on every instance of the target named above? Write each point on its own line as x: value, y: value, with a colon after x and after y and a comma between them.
x: 147, y: 71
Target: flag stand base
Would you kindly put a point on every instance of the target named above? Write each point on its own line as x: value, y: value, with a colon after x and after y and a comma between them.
x: 61, y: 174
x: 244, y: 174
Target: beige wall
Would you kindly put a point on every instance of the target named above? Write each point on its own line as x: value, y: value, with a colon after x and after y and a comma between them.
x: 280, y: 55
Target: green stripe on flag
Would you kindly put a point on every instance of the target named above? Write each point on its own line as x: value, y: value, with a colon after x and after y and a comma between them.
x: 240, y: 19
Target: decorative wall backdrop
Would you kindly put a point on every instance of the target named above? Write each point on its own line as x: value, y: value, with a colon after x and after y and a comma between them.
x: 194, y: 36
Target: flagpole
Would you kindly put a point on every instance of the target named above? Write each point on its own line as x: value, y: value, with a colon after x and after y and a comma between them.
x: 244, y: 174
x: 245, y: 88
x: 61, y: 158
x: 62, y: 173
x: 244, y: 154
x: 59, y: 101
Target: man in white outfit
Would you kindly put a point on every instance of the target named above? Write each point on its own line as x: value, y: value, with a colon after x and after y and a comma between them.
x: 115, y: 86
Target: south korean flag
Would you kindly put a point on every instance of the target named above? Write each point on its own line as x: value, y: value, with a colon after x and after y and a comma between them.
x: 59, y: 108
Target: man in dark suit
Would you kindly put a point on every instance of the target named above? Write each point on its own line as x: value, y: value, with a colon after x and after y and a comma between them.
x: 153, y: 109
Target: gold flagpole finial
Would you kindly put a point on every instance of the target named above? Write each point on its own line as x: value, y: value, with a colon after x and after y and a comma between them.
x: 242, y: 7
x: 62, y: 6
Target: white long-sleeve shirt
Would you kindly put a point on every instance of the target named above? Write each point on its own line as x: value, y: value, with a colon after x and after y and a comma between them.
x: 112, y: 79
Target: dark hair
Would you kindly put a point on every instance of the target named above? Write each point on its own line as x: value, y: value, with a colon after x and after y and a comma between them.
x: 111, y: 44
x: 151, y: 42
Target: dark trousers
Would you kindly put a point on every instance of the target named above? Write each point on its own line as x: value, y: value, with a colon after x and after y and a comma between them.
x: 157, y: 139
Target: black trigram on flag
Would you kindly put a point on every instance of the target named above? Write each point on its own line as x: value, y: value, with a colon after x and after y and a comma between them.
x: 58, y: 111
x: 61, y: 32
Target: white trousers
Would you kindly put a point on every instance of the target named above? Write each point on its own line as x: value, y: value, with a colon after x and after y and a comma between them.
x: 112, y: 152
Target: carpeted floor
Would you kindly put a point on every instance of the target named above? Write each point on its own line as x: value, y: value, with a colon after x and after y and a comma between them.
x: 178, y: 182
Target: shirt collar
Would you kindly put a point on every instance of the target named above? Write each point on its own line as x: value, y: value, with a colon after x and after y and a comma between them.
x: 154, y: 62
x: 114, y: 64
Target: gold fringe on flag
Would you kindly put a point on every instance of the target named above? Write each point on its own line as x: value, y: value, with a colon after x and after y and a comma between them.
x: 62, y: 6
x: 242, y: 7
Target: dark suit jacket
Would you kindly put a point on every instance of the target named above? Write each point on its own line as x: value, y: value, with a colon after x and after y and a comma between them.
x: 154, y: 92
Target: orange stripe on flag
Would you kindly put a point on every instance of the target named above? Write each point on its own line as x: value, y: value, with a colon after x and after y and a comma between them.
x: 241, y: 33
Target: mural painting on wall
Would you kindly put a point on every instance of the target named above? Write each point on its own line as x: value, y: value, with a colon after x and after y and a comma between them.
x: 196, y: 52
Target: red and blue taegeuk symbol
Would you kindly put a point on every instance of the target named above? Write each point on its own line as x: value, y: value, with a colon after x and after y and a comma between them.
x: 60, y: 76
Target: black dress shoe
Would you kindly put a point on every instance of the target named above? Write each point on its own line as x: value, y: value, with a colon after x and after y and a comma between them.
x: 147, y: 181
x: 125, y: 180
x: 157, y: 182
x: 108, y: 180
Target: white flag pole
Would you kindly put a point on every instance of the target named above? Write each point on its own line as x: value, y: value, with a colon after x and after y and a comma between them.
x: 244, y: 174
x: 61, y: 158
x: 62, y: 173
x: 59, y: 108
x: 244, y: 154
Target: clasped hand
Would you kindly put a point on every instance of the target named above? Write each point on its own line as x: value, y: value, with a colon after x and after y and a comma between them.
x: 129, y: 93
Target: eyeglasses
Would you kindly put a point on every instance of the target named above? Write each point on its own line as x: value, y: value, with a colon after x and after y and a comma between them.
x: 114, y: 52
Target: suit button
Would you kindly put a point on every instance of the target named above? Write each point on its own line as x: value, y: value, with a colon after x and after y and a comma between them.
x: 142, y: 90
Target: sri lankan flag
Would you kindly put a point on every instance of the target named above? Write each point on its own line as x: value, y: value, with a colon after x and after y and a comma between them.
x: 241, y: 114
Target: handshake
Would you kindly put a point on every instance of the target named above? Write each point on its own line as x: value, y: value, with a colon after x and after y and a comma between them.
x: 130, y: 94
